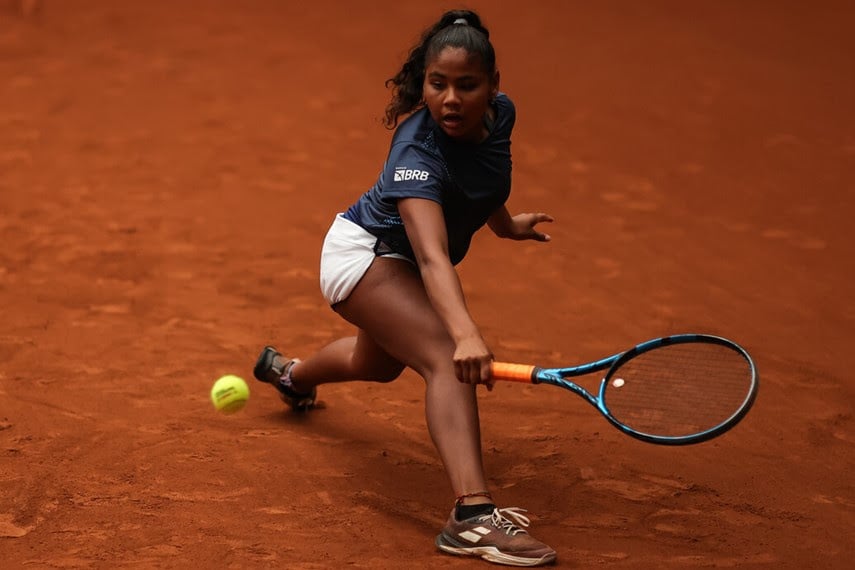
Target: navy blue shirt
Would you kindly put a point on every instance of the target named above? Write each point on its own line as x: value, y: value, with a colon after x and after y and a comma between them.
x: 469, y: 180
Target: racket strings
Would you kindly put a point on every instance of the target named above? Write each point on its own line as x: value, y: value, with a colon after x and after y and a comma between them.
x: 679, y: 390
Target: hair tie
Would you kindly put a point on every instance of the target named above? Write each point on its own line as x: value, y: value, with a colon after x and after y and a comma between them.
x: 461, y: 21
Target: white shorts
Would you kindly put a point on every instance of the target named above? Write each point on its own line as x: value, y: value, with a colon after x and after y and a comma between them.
x: 348, y: 252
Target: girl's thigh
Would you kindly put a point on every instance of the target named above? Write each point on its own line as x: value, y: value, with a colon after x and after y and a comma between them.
x: 390, y: 304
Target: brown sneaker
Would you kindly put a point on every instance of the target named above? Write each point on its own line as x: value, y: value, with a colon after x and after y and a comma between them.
x: 498, y: 537
x: 273, y: 368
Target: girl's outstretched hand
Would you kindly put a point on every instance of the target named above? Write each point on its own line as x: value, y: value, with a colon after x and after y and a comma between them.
x: 523, y: 226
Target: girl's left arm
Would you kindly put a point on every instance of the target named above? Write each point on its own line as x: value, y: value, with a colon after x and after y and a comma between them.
x: 519, y: 227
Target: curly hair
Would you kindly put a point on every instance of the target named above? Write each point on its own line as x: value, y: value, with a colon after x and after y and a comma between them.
x: 456, y: 28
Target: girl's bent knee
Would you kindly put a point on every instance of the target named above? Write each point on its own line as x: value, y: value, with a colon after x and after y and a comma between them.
x: 385, y: 377
x: 384, y: 374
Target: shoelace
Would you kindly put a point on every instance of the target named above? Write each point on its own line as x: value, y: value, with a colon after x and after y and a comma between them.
x: 510, y: 520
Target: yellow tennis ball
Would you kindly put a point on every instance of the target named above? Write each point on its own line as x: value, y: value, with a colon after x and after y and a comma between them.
x: 229, y: 394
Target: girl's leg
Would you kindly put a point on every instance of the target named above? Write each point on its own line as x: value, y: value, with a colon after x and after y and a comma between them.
x: 393, y: 312
x: 398, y: 326
x: 350, y: 358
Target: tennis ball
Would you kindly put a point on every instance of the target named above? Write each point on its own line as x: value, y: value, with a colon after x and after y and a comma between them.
x: 229, y: 394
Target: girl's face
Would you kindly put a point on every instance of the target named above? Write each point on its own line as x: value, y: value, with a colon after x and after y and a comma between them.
x: 457, y: 92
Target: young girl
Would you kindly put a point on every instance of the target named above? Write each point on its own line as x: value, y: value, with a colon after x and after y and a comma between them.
x: 387, y: 266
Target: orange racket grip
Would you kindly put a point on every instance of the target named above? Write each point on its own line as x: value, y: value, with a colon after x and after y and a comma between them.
x: 514, y: 372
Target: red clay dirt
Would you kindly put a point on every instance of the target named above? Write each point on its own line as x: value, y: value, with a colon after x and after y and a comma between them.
x: 168, y: 171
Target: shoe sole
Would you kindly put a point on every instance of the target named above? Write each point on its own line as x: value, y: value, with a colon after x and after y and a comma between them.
x: 493, y: 554
x: 264, y: 363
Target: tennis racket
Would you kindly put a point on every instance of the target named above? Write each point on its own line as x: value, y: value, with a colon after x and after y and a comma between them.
x: 673, y: 390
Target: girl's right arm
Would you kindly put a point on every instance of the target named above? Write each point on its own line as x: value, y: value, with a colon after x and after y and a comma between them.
x: 426, y: 231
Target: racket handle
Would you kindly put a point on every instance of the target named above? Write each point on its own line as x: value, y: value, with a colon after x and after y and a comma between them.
x: 513, y: 372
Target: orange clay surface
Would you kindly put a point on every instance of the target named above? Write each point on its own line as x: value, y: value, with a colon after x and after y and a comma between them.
x: 168, y: 171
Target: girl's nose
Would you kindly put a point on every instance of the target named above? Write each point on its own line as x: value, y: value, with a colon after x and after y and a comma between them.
x: 451, y: 97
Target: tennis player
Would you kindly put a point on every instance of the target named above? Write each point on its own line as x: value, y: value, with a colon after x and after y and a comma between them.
x: 388, y: 267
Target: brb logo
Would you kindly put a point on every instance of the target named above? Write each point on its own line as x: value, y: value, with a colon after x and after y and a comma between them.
x: 403, y: 173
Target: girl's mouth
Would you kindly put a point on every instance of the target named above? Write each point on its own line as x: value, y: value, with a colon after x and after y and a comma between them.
x: 452, y: 121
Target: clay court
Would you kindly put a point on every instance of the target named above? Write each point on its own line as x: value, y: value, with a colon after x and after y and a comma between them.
x: 168, y: 171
